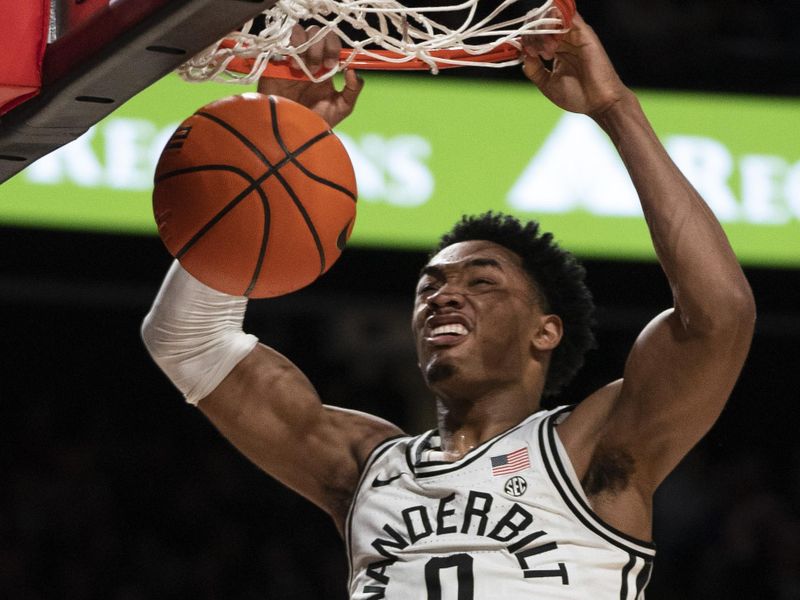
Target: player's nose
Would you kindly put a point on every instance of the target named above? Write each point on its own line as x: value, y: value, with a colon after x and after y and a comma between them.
x: 447, y: 295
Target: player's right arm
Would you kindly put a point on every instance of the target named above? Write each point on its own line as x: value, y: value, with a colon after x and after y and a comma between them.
x: 261, y: 402
x: 269, y: 410
x: 258, y: 399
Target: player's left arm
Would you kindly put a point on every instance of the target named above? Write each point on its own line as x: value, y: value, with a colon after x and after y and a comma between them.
x: 683, y: 366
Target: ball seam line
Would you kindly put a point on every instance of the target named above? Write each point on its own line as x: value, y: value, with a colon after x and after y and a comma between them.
x: 273, y: 110
x: 254, y: 183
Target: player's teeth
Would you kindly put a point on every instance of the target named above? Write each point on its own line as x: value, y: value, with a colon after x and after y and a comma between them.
x: 453, y: 328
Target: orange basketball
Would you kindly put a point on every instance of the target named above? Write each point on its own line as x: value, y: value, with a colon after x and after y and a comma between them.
x: 255, y: 195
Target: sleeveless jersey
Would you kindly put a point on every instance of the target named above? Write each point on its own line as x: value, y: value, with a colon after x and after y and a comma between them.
x: 508, y: 520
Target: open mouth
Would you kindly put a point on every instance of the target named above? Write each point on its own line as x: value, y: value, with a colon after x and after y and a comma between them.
x: 450, y: 329
x: 448, y: 334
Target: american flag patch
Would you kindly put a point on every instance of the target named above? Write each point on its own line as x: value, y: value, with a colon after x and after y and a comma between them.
x: 511, y: 462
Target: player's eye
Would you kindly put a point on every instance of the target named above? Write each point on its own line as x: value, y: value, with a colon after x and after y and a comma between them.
x: 426, y: 288
x: 480, y: 281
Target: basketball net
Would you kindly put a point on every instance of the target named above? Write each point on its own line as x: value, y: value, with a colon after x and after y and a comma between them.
x: 390, y: 36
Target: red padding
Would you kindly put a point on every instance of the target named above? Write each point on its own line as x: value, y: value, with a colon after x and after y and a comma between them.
x: 79, y: 13
x: 100, y: 28
x: 23, y: 38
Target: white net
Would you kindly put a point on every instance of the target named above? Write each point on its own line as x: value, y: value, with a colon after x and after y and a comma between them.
x: 426, y: 35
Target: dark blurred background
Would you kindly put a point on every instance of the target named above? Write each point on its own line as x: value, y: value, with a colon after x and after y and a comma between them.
x: 111, y: 487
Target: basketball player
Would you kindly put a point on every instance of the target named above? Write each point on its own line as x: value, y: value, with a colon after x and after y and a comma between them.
x: 503, y: 499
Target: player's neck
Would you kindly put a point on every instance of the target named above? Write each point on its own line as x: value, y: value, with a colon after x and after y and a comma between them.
x: 464, y: 425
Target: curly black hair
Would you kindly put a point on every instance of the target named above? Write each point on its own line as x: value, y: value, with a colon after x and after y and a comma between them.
x: 556, y: 274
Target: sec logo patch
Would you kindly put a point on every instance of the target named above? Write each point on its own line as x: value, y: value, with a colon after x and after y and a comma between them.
x: 515, y: 486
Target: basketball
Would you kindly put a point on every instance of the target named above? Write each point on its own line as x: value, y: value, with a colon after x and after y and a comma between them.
x: 255, y: 195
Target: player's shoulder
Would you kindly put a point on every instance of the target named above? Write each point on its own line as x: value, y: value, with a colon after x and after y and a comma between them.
x: 589, y: 415
x: 364, y: 431
x: 581, y: 429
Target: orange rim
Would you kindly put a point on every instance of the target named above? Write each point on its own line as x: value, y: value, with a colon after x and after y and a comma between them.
x: 502, y: 53
x: 389, y: 60
x: 379, y: 60
x: 567, y: 9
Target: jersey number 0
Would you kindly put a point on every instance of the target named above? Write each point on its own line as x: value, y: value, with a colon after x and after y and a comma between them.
x: 463, y: 565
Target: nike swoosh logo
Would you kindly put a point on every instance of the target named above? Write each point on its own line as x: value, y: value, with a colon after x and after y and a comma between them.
x: 378, y: 482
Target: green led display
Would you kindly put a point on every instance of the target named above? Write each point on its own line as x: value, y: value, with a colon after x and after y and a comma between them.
x: 427, y: 150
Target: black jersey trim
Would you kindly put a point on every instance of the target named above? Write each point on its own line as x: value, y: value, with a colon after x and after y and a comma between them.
x: 380, y: 450
x: 429, y: 469
x: 578, y: 496
x: 414, y: 449
x: 643, y: 578
x: 626, y: 571
x: 372, y: 457
x: 574, y: 500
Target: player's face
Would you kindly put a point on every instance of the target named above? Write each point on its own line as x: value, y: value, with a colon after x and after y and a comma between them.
x: 475, y: 315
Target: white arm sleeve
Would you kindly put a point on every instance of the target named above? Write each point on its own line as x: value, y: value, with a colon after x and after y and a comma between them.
x: 194, y: 333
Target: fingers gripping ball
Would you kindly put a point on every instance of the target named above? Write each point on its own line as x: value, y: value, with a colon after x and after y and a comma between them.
x: 255, y: 195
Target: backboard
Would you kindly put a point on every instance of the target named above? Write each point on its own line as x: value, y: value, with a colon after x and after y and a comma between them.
x: 99, y: 54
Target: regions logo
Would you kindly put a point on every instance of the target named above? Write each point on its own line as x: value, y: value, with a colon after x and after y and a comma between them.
x: 515, y: 486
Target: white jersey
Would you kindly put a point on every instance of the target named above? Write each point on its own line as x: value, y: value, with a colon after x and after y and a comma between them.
x: 508, y: 520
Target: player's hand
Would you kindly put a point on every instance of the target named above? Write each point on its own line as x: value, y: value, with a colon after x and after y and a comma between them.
x: 544, y: 44
x: 582, y: 78
x: 323, y: 98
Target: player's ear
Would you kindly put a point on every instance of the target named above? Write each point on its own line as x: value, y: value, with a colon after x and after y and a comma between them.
x: 547, y: 335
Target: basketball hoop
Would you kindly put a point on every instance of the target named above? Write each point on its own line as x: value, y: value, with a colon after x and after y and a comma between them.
x: 380, y: 34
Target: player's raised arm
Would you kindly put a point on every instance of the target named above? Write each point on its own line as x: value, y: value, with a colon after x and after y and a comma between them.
x: 683, y: 366
x: 256, y: 397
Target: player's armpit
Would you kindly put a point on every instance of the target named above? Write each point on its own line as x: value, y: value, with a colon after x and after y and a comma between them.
x: 676, y: 383
x: 624, y: 439
x: 269, y: 411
